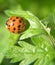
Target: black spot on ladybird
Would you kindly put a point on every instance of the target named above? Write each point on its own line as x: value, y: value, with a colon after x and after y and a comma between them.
x: 10, y: 18
x: 20, y: 21
x: 19, y: 26
x: 13, y: 31
x: 14, y: 28
x: 17, y: 17
x: 14, y: 20
x: 6, y: 23
x: 9, y: 28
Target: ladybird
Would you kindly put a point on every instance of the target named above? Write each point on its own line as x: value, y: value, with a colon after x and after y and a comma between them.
x: 15, y: 24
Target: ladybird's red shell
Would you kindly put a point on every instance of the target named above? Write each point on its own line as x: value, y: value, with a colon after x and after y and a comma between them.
x: 15, y: 24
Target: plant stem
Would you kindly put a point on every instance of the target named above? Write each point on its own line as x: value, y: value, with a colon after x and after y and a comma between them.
x: 50, y: 37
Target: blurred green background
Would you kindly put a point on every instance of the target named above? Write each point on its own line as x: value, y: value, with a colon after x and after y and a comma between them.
x: 40, y: 8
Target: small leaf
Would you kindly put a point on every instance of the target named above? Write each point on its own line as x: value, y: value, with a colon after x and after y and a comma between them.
x: 31, y: 32
x: 26, y: 46
x: 44, y: 43
x: 28, y: 60
x: 22, y: 53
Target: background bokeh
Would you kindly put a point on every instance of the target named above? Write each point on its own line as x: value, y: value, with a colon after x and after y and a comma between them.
x: 40, y: 8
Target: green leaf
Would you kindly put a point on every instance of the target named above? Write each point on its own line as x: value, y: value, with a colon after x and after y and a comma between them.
x: 25, y: 45
x: 41, y: 39
x: 14, y: 52
x: 23, y: 53
x: 31, y: 32
x: 41, y: 53
x: 43, y: 43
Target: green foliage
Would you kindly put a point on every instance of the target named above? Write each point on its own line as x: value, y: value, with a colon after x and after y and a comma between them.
x: 41, y: 52
x: 41, y: 49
